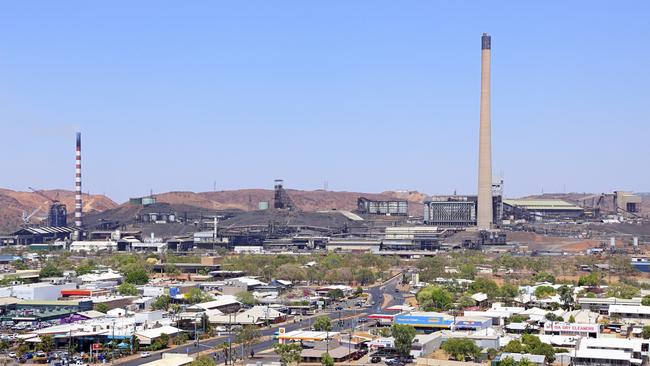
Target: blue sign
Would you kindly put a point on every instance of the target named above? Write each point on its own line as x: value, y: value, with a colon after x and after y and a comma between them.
x: 423, y: 320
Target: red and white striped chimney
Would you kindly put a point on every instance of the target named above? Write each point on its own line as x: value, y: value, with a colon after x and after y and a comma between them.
x: 77, y: 183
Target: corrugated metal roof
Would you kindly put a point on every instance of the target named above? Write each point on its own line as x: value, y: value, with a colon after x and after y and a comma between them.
x: 541, y: 204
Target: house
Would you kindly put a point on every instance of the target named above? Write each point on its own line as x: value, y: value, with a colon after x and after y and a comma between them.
x: 149, y: 336
x: 610, y: 352
x: 537, y: 360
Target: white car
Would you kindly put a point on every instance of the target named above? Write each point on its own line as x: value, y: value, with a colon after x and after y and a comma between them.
x: 12, y: 354
x: 145, y: 354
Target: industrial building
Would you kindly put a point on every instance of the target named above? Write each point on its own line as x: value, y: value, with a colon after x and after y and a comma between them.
x: 459, y: 211
x: 38, y: 235
x: 541, y: 209
x: 388, y: 207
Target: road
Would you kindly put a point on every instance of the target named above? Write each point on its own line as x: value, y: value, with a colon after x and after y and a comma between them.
x: 349, y: 313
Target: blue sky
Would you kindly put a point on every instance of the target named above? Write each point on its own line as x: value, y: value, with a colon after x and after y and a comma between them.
x: 366, y: 95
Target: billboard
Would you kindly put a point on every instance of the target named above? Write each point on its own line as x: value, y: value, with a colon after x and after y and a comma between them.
x: 571, y: 327
x: 424, y: 320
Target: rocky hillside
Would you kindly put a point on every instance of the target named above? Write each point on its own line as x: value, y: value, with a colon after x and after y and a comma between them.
x: 14, y: 203
x: 319, y: 200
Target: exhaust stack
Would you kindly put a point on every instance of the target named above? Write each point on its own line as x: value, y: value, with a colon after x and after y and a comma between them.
x: 485, y: 215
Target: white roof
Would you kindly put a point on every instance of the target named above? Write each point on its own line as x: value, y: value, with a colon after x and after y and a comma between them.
x: 221, y: 301
x: 157, y: 332
x: 479, y: 297
x: 611, y: 343
x: 629, y: 309
x: 307, y: 334
x: 605, y: 354
x: 171, y: 359
x: 249, y: 281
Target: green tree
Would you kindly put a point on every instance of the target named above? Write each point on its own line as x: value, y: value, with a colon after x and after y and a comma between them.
x: 514, y: 346
x: 172, y: 270
x: 461, y: 349
x: 645, y: 332
x: 358, y: 292
x: 84, y: 268
x: 246, y: 298
x: 326, y: 360
x: 572, y: 319
x: 364, y: 276
x: 247, y: 336
x: 403, y: 336
x: 543, y: 292
x: 646, y: 300
x: 434, y: 298
x: 508, y: 292
x: 19, y: 265
x: 203, y: 360
x: 544, y: 277
x: 196, y: 296
x: 593, y: 279
x: 466, y: 301
x: 288, y: 352
x: 508, y: 361
x: 101, y: 307
x: 335, y: 294
x: 323, y: 324
x: 136, y: 275
x: 566, y: 296
x: 486, y: 286
x: 161, y: 303
x: 47, y: 343
x: 622, y: 291
x: 181, y: 338
x: 128, y: 289
x: 525, y: 362
x: 50, y: 270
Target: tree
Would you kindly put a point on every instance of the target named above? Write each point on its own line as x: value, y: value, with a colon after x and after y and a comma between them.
x: 403, y: 338
x: 525, y: 362
x: 246, y: 298
x: 646, y: 300
x: 136, y: 275
x: 172, y: 270
x: 434, y: 298
x: 645, y: 333
x: 128, y: 289
x: 508, y: 292
x: 247, y: 336
x: 508, y: 361
x: 323, y: 324
x: 593, y: 279
x: 326, y: 360
x: 289, y: 352
x: 622, y: 291
x: 47, y: 343
x: 466, y: 301
x: 544, y: 277
x: 514, y: 346
x: 101, y: 307
x: 50, y: 270
x: 84, y: 268
x: 543, y: 292
x: 161, y: 303
x: 566, y: 296
x: 572, y: 319
x: 195, y: 296
x: 358, y: 292
x: 486, y: 286
x: 19, y: 265
x: 203, y: 360
x: 461, y: 349
x: 335, y: 294
x: 181, y: 338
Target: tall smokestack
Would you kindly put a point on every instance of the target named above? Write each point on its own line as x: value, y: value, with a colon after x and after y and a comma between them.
x: 77, y: 183
x: 484, y: 219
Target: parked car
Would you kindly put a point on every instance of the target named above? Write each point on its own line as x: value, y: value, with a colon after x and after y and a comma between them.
x: 338, y: 308
x: 375, y: 359
x: 145, y: 354
x: 12, y: 354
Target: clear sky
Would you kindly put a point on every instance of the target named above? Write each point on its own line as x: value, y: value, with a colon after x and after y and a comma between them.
x: 366, y: 95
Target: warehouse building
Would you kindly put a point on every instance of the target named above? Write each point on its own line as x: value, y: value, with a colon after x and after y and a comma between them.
x: 387, y: 208
x: 541, y: 209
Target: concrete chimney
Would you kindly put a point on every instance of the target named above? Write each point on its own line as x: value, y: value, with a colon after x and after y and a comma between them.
x: 484, y: 219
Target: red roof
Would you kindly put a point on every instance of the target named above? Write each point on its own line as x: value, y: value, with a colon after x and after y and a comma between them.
x: 76, y: 292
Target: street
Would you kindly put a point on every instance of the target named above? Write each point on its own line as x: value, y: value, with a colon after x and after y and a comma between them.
x: 376, y: 293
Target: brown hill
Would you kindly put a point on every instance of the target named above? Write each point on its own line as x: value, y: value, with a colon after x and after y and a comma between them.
x: 13, y: 203
x: 310, y: 201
